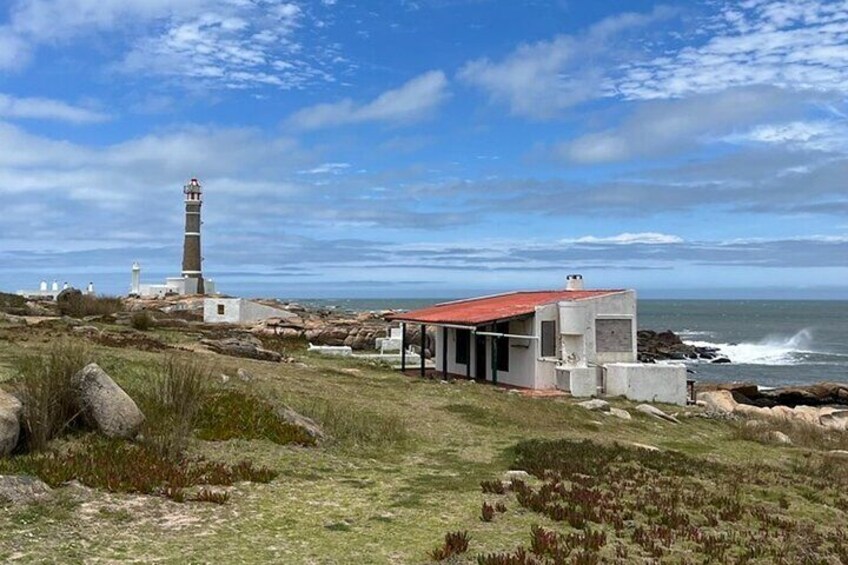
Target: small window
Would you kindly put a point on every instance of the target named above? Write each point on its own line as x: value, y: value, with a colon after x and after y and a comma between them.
x: 503, y: 347
x: 220, y: 309
x: 462, y: 351
x: 549, y: 338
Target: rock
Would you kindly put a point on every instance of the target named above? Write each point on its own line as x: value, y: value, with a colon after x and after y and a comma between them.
x: 820, y: 394
x: 807, y: 414
x: 10, y: 422
x: 308, y: 424
x: 595, y: 404
x: 516, y: 474
x: 86, y: 330
x: 718, y: 401
x: 643, y: 446
x: 244, y: 375
x: 779, y: 438
x: 619, y: 413
x: 105, y: 405
x: 656, y: 413
x: 22, y: 489
x: 835, y: 420
x: 720, y: 360
x: 242, y: 346
x: 841, y: 453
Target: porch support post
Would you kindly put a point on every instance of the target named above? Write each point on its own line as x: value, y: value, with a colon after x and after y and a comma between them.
x: 444, y: 353
x: 423, y: 346
x: 470, y: 356
x: 494, y: 360
x: 402, y: 347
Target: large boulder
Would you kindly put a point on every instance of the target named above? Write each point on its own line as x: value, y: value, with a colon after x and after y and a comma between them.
x: 718, y: 401
x: 105, y: 405
x: 10, y: 422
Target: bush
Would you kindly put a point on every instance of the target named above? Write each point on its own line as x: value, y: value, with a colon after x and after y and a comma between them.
x: 44, y: 383
x: 231, y: 414
x: 75, y: 304
x: 179, y: 390
x: 13, y: 304
x: 118, y: 466
x: 141, y: 320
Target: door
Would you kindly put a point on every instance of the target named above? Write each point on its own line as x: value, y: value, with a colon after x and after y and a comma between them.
x: 480, y: 358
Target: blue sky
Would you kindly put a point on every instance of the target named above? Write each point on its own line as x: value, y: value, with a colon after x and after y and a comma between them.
x: 429, y: 148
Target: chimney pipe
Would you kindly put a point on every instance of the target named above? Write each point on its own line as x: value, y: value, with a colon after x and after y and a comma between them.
x: 574, y: 282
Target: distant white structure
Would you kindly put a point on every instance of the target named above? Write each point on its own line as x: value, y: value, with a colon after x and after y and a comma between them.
x: 179, y: 286
x: 239, y: 311
x: 50, y: 292
x: 393, y: 343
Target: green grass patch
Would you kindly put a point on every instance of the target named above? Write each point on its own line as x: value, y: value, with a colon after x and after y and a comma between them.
x: 232, y: 414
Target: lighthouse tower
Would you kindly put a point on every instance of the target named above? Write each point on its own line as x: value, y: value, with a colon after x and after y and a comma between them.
x: 192, y: 268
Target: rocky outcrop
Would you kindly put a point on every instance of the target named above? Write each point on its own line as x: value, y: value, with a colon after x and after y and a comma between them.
x: 726, y: 402
x: 242, y: 346
x: 659, y: 346
x: 10, y: 422
x: 105, y: 405
x: 595, y: 405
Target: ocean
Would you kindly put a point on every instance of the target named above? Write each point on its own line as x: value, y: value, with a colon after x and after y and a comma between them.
x: 770, y: 342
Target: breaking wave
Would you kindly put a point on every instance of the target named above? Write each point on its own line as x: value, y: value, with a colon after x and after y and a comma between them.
x: 771, y: 350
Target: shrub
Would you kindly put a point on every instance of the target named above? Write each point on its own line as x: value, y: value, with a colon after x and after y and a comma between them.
x: 179, y: 390
x: 487, y: 512
x: 455, y: 543
x: 78, y: 305
x: 118, y: 466
x: 44, y: 383
x: 141, y: 320
x: 231, y: 414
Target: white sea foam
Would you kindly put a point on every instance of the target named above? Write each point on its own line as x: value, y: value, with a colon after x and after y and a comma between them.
x: 772, y: 350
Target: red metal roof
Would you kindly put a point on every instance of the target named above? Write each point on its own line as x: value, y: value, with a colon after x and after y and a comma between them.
x: 476, y: 311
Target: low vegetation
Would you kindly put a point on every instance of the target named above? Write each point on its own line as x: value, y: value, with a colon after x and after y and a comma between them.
x: 608, y: 503
x: 13, y: 304
x: 79, y: 305
x: 141, y: 320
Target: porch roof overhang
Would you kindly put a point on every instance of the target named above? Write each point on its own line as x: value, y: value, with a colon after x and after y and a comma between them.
x: 474, y: 312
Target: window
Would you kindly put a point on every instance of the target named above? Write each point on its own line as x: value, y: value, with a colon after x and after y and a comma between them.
x: 503, y: 347
x: 462, y: 352
x: 220, y: 309
x: 549, y: 338
x: 613, y: 335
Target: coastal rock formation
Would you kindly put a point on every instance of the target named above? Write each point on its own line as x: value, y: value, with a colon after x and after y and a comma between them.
x: 821, y: 394
x: 727, y: 402
x: 242, y: 346
x: 10, y: 422
x: 659, y: 346
x: 105, y: 405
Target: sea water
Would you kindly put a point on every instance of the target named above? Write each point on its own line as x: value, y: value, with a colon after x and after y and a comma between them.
x: 770, y: 342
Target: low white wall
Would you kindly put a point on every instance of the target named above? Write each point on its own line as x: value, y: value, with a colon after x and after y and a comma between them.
x: 581, y: 382
x: 647, y: 382
x: 240, y: 311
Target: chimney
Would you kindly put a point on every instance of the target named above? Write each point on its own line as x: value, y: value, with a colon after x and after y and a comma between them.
x: 574, y: 282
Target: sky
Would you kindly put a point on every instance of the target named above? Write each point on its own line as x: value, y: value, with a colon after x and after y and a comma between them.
x: 428, y: 148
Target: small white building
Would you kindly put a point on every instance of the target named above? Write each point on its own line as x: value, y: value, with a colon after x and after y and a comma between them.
x: 179, y: 286
x: 240, y: 311
x: 576, y: 340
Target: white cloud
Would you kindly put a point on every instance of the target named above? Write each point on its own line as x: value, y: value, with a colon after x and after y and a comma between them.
x: 817, y: 135
x: 410, y: 102
x: 798, y: 44
x: 643, y: 238
x: 46, y: 109
x: 14, y: 52
x: 326, y: 168
x: 541, y: 79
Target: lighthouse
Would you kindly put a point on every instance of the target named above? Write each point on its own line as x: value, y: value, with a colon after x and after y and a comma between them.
x: 192, y: 268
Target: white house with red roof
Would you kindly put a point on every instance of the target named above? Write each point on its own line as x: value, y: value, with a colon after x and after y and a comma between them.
x: 577, y: 340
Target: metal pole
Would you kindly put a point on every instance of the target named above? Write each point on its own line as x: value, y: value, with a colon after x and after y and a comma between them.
x: 494, y: 359
x: 445, y: 353
x: 468, y: 360
x: 402, y: 347
x: 423, y: 346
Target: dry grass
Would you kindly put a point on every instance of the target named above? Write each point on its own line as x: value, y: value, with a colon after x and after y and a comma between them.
x: 45, y: 387
x: 78, y: 305
x: 801, y: 433
x: 141, y: 321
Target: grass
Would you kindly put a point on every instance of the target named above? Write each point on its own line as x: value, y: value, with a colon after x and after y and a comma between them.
x: 404, y: 466
x: 79, y: 305
x: 44, y: 383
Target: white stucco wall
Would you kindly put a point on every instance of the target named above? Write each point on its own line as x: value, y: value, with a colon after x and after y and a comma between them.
x: 240, y: 311
x: 522, y: 355
x: 647, y: 382
x: 577, y: 328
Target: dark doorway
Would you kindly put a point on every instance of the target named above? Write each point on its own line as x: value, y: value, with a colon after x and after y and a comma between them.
x: 480, y: 358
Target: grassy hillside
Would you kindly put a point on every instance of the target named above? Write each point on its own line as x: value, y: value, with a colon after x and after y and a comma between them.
x: 405, y: 466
